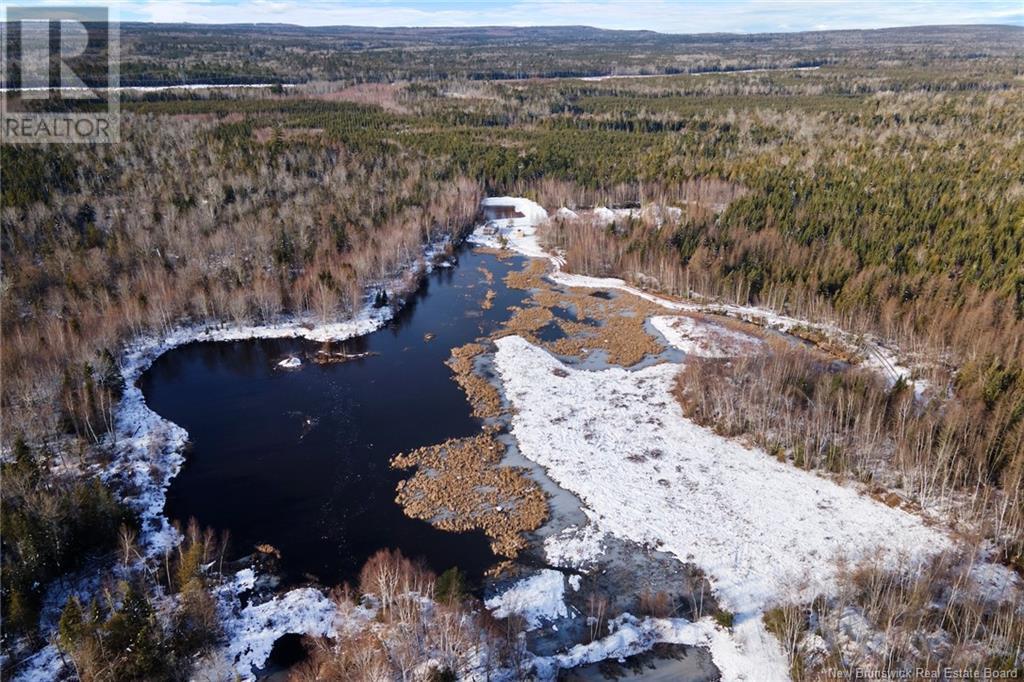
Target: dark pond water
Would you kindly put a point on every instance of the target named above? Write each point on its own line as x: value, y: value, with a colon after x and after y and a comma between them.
x: 299, y: 458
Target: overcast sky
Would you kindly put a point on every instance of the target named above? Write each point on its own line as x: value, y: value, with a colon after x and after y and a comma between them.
x: 670, y: 16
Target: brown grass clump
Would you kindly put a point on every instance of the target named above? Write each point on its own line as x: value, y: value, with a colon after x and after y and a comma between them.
x: 500, y: 254
x: 459, y: 485
x: 484, y: 398
x: 530, y: 277
x: 622, y: 338
x: 488, y: 301
x: 620, y: 333
x: 527, y: 320
x: 655, y: 604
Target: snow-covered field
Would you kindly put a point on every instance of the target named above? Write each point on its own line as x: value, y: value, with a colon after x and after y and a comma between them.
x: 762, y: 531
x: 704, y: 338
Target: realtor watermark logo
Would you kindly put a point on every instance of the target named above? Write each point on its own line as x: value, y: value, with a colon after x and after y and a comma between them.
x: 60, y: 75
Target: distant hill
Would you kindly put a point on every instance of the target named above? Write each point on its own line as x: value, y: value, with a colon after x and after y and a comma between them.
x: 191, y: 52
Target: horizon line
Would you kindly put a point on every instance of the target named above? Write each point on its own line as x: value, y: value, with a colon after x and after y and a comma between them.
x: 562, y: 26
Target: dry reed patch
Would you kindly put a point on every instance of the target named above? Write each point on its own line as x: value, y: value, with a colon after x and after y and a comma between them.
x: 488, y: 301
x: 483, y: 397
x: 525, y: 321
x: 623, y: 339
x: 549, y: 298
x: 459, y: 485
x: 620, y: 334
x: 530, y: 277
x: 500, y: 254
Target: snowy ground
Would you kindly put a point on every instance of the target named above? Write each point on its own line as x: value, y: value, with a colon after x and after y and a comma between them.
x: 762, y: 531
x: 575, y: 547
x: 875, y: 354
x: 704, y: 338
x: 253, y: 631
x: 537, y: 599
x: 518, y: 234
x: 629, y: 635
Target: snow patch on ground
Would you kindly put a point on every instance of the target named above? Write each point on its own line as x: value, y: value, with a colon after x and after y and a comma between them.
x: 761, y: 530
x: 518, y: 234
x: 575, y: 547
x: 245, y: 579
x: 536, y: 599
x: 253, y: 632
x: 606, y: 216
x: 886, y: 362
x: 703, y: 338
x: 290, y: 363
x: 629, y: 635
x: 997, y: 583
x: 46, y: 665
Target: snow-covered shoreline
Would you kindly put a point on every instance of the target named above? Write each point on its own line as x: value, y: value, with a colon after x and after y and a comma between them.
x: 149, y: 448
x: 149, y: 453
